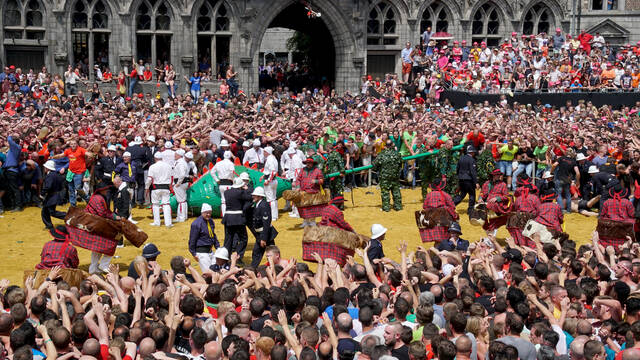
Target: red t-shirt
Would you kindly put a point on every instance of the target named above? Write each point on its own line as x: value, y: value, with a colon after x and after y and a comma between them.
x: 77, y: 164
x: 104, y: 352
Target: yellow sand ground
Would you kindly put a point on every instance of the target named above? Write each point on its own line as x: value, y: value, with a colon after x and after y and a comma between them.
x: 22, y: 234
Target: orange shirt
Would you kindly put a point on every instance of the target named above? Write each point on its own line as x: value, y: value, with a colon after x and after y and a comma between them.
x: 635, y: 80
x: 76, y: 160
x: 608, y: 74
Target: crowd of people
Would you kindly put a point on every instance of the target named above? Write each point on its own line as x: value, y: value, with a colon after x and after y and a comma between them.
x: 542, y: 295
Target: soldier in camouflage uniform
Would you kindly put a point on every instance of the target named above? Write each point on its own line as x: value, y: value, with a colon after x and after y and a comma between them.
x: 388, y: 164
x: 485, y: 165
x: 447, y: 163
x: 335, y: 163
x: 427, y: 170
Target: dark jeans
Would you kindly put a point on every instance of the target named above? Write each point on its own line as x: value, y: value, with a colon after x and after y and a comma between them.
x: 13, y: 188
x: 258, y: 252
x: 564, y: 192
x: 467, y: 187
x: 49, y: 211
x: 139, y: 193
x: 235, y: 239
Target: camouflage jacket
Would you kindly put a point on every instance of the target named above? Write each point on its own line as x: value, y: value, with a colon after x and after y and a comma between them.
x: 448, y: 162
x: 388, y: 164
x: 334, y: 162
x: 485, y: 165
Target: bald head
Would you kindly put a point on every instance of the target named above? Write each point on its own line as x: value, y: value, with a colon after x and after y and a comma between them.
x: 91, y: 347
x: 631, y: 354
x: 344, y: 322
x: 463, y: 345
x: 213, y: 351
x: 325, y: 349
x: 147, y: 347
x: 577, y: 347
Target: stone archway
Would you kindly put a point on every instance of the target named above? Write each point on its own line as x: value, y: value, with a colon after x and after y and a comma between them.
x: 347, y: 42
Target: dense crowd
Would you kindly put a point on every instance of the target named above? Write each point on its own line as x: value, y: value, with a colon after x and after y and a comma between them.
x: 540, y: 296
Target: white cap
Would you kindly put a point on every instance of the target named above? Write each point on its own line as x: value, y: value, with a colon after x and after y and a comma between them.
x: 547, y: 175
x: 238, y: 183
x: 259, y: 191
x: 180, y: 152
x: 593, y: 169
x: 189, y: 155
x: 377, y: 230
x: 222, y: 253
x: 137, y: 140
x: 227, y: 154
x: 157, y: 155
x: 111, y: 148
x: 246, y: 143
x: 126, y: 154
x: 50, y: 165
x: 168, y: 144
x: 581, y: 157
x: 224, y: 142
x: 268, y: 150
x: 245, y: 176
x: 151, y: 138
x: 256, y: 142
x: 205, y: 207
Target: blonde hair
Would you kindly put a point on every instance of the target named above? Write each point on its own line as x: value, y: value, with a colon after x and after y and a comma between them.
x: 474, y: 326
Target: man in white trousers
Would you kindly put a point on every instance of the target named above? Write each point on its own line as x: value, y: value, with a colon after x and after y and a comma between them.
x: 295, y: 163
x: 202, y: 238
x: 222, y: 173
x: 270, y: 171
x: 159, y: 184
x: 180, y: 184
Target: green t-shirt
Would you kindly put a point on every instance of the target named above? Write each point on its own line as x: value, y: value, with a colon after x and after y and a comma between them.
x: 541, y: 155
x: 173, y: 115
x: 408, y: 138
x: 508, y: 153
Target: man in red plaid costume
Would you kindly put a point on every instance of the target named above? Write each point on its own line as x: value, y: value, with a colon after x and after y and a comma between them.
x: 619, y: 209
x: 550, y: 213
x: 495, y: 195
x: 333, y: 216
x: 309, y: 180
x: 59, y: 251
x: 438, y: 199
x: 526, y: 205
x: 102, y: 248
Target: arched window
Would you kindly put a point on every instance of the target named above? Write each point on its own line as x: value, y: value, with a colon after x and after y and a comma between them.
x: 213, y: 29
x: 435, y: 17
x: 538, y: 19
x: 486, y: 25
x: 90, y: 35
x: 381, y: 25
x: 153, y: 32
x: 23, y: 19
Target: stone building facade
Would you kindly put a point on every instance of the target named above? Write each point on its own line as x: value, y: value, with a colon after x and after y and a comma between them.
x: 367, y: 34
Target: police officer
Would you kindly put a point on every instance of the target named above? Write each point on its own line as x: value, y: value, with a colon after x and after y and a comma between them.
x: 222, y: 173
x: 128, y: 172
x: 264, y: 232
x: 159, y: 185
x: 105, y: 167
x: 52, y: 185
x: 140, y: 157
x: 234, y: 220
x: 467, y: 177
x: 180, y: 184
x: 121, y: 203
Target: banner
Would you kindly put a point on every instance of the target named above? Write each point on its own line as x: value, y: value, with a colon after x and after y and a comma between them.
x: 615, y: 99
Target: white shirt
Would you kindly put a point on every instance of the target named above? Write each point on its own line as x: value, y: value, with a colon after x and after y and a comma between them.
x: 252, y: 156
x: 159, y: 173
x: 270, y: 167
x: 71, y: 77
x: 223, y: 170
x: 296, y: 163
x: 169, y: 156
x: 180, y: 170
